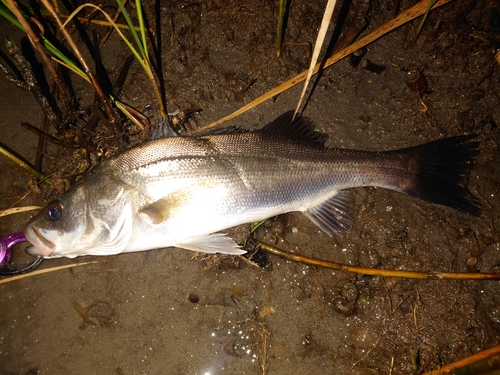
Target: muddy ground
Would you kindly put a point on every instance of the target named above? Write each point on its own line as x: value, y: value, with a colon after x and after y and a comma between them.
x: 167, y: 312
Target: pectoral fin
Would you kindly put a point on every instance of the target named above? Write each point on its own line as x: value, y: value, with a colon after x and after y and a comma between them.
x: 212, y: 243
x: 165, y: 208
x: 157, y: 212
x: 332, y: 215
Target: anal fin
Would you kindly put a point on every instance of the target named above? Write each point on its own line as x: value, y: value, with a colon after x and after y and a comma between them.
x: 212, y: 243
x: 332, y: 215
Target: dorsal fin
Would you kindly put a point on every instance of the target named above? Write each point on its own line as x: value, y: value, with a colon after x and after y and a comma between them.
x: 302, y: 128
x: 163, y: 129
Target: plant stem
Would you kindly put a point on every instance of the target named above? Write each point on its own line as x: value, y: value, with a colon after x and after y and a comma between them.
x: 421, y: 25
x: 378, y: 271
x: 36, y: 43
x: 21, y: 163
x: 30, y: 83
x: 114, y: 120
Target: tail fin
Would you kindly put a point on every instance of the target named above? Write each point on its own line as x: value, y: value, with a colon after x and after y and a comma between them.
x: 442, y: 172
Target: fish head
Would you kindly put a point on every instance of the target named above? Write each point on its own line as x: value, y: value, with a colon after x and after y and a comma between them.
x: 92, y: 218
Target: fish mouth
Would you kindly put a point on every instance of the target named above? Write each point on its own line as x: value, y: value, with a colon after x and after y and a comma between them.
x: 41, y: 245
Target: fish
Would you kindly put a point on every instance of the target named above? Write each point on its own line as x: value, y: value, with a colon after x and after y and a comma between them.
x: 184, y: 191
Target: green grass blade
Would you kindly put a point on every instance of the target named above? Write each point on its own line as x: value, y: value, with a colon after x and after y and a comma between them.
x: 431, y: 3
x: 142, y: 26
x: 131, y: 27
x: 117, y: 29
x: 7, y: 14
x: 47, y: 44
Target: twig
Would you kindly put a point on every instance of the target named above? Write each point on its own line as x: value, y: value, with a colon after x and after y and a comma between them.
x: 47, y: 270
x: 105, y: 23
x: 111, y: 28
x: 17, y: 210
x: 53, y: 140
x: 22, y: 198
x: 433, y: 275
x: 392, y: 365
x: 30, y: 83
x: 491, y: 355
x: 367, y: 353
x: 21, y: 163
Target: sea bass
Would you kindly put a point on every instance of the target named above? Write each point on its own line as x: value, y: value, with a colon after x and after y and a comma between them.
x: 181, y: 191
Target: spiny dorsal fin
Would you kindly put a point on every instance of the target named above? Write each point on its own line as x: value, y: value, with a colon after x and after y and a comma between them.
x: 163, y: 129
x: 302, y: 128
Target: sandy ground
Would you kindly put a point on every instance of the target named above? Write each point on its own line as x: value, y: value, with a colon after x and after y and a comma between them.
x: 165, y: 312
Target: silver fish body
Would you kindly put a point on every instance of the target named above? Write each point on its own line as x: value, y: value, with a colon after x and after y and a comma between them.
x: 179, y: 191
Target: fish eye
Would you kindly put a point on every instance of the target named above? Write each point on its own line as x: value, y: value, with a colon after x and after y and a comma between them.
x: 54, y: 210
